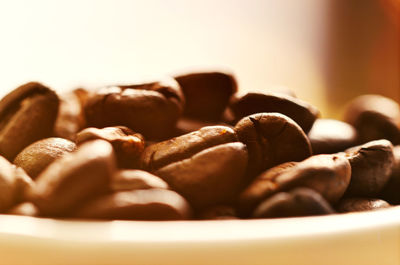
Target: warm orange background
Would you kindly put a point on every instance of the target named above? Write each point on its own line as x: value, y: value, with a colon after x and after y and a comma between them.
x: 363, y: 50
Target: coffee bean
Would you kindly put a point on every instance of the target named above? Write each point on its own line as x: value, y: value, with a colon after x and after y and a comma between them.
x: 219, y: 212
x: 38, y: 155
x: 329, y: 136
x: 206, y: 166
x: 149, y: 204
x: 27, y: 114
x: 13, y: 182
x: 134, y: 179
x: 25, y: 208
x: 361, y: 204
x: 301, y: 112
x: 212, y: 176
x: 271, y: 139
x: 371, y: 166
x: 74, y: 178
x: 297, y: 202
x: 206, y: 94
x: 128, y: 146
x: 375, y: 117
x: 329, y: 175
x: 391, y: 190
x: 150, y: 109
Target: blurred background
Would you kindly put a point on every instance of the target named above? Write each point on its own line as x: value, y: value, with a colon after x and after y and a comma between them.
x: 326, y: 51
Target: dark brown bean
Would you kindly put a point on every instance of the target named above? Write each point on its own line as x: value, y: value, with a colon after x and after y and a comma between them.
x: 74, y: 178
x: 271, y: 139
x: 371, y: 166
x: 361, y: 204
x: 150, y: 204
x: 329, y: 175
x: 151, y: 109
x: 205, y: 166
x: 134, y: 179
x: 128, y: 146
x: 207, y: 94
x: 27, y: 114
x: 38, y: 155
x: 375, y: 117
x: 211, y: 176
x: 297, y: 202
x: 329, y: 136
x: 301, y: 112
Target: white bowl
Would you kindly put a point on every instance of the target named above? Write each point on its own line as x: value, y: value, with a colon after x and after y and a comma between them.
x: 355, y: 238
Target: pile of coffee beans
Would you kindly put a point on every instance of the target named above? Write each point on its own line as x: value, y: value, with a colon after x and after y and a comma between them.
x: 193, y: 148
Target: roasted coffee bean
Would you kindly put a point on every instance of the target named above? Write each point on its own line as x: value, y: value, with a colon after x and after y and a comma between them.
x: 150, y: 109
x: 219, y: 212
x: 391, y: 191
x: 74, y: 178
x: 207, y: 94
x: 212, y: 176
x: 361, y: 204
x: 150, y: 204
x: 206, y: 166
x: 301, y: 112
x: 297, y: 202
x: 38, y: 155
x: 71, y: 117
x: 133, y: 179
x: 371, y: 166
x: 375, y: 117
x: 228, y: 116
x: 25, y: 208
x: 128, y: 146
x: 13, y: 182
x: 331, y: 136
x: 329, y: 175
x: 271, y: 139
x: 27, y: 114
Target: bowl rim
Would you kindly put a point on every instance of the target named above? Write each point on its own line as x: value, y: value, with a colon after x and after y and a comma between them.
x: 197, y: 230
